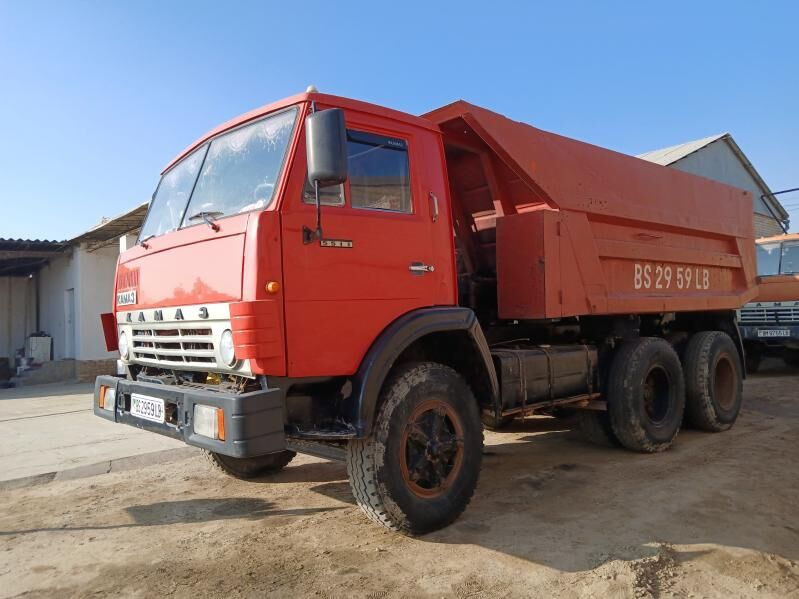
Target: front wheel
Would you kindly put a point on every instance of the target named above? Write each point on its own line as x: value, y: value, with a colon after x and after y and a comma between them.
x: 245, y: 468
x: 418, y: 470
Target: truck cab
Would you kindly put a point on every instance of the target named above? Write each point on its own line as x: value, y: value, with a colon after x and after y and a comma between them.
x: 333, y: 277
x: 770, y: 324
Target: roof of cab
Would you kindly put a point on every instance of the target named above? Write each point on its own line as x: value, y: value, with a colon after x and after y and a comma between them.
x: 777, y: 238
x: 324, y: 99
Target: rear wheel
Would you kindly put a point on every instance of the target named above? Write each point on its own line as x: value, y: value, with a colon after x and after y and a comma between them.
x: 713, y: 381
x: 646, y: 395
x: 791, y: 357
x: 245, y: 468
x: 418, y: 470
x: 753, y: 358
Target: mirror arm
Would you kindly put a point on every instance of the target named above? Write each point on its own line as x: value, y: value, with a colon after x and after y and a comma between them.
x: 308, y: 236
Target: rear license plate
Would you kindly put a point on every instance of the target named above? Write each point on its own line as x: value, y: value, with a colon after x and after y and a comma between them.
x: 774, y: 333
x: 148, y: 408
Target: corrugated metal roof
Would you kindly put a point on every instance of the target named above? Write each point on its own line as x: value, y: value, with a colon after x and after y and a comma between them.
x: 25, y: 256
x: 113, y: 228
x: 672, y: 154
x: 21, y: 257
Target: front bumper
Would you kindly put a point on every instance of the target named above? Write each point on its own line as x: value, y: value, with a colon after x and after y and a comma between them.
x: 253, y: 421
x: 752, y: 333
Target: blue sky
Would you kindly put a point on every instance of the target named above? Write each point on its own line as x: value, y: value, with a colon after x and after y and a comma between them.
x: 96, y: 97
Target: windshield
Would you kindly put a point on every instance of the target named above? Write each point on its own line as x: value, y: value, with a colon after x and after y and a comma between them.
x: 768, y: 259
x: 241, y: 169
x: 237, y: 172
x: 172, y: 194
x: 790, y: 258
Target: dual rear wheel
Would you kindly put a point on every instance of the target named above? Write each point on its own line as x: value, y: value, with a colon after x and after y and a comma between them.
x: 651, y: 392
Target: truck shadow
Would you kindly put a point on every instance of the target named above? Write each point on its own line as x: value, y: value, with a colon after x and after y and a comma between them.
x: 556, y: 500
x: 189, y: 511
x: 550, y: 498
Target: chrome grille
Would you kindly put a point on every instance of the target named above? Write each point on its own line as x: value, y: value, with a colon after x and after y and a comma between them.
x: 174, y: 344
x: 769, y: 314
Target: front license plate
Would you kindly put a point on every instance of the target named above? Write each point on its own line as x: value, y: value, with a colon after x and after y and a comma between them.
x: 774, y: 333
x: 148, y: 408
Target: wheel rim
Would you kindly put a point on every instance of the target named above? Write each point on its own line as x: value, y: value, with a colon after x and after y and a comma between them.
x: 431, y: 449
x: 657, y: 392
x: 724, y: 383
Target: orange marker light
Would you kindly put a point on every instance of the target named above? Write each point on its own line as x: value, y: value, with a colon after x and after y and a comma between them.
x: 272, y: 287
x: 220, y: 424
x: 101, y: 401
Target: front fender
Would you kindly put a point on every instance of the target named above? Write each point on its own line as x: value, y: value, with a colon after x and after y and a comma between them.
x: 361, y: 406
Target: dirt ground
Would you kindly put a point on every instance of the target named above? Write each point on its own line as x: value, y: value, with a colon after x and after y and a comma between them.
x: 717, y: 516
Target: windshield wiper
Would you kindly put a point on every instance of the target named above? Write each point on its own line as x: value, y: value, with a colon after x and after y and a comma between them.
x: 143, y: 242
x: 208, y: 218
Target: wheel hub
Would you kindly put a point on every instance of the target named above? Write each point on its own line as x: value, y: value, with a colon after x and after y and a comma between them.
x: 431, y: 449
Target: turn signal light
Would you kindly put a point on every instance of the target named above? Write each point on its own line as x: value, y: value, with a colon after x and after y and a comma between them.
x: 107, y: 399
x: 272, y: 287
x: 209, y: 422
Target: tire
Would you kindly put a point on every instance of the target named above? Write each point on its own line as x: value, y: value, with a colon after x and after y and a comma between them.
x: 392, y: 479
x: 245, y: 468
x: 752, y: 357
x: 595, y: 428
x: 492, y: 424
x: 713, y: 381
x: 791, y: 357
x: 646, y: 395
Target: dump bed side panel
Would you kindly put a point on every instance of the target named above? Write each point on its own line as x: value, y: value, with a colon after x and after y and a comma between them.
x: 608, y: 268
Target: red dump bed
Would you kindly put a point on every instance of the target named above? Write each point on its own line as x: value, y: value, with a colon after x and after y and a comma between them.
x: 568, y: 228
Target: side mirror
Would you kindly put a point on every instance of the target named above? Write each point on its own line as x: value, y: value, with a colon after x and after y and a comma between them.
x: 326, y: 147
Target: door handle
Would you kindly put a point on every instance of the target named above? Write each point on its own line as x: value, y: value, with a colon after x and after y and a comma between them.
x: 419, y: 268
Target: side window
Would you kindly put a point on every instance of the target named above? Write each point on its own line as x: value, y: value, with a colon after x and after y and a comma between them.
x: 328, y: 196
x: 378, y: 172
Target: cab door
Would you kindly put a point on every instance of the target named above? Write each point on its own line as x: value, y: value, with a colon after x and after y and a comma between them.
x: 376, y: 259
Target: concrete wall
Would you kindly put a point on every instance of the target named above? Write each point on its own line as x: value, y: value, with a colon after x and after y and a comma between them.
x: 91, y: 277
x: 96, y: 271
x: 17, y: 313
x: 56, y: 278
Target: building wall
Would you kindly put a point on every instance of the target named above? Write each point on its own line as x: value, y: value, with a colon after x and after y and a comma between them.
x: 765, y: 226
x: 91, y: 276
x: 17, y: 313
x: 56, y: 277
x: 96, y: 271
x: 717, y: 161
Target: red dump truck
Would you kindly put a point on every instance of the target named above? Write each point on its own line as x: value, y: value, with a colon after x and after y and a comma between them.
x: 333, y: 277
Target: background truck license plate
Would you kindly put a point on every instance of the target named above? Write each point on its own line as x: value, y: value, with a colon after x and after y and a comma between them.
x: 774, y: 333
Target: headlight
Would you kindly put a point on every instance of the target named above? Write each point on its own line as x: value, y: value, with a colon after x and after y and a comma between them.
x: 226, y: 350
x: 123, y: 345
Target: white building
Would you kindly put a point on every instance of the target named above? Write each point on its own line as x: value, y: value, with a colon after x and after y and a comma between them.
x: 719, y: 158
x: 60, y: 289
